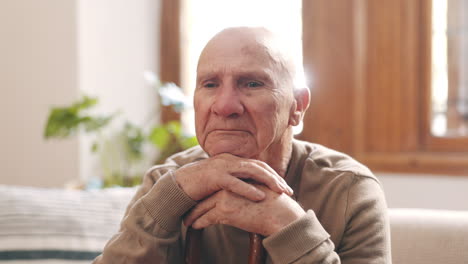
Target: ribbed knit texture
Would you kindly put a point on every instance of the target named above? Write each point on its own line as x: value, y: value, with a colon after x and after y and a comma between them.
x: 302, y: 236
x: 167, y: 203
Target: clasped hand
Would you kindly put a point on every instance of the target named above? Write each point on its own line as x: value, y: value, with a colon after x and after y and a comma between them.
x: 244, y: 193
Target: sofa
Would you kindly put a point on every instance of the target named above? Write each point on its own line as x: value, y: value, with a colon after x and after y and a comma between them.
x: 39, y: 226
x: 429, y: 236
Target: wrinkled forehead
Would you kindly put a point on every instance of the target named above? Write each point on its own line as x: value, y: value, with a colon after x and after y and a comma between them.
x: 248, y: 47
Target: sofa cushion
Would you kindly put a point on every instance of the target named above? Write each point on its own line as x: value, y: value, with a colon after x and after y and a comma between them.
x: 66, y: 226
x: 421, y: 236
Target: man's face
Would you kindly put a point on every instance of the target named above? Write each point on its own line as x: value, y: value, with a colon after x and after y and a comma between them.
x: 242, y: 102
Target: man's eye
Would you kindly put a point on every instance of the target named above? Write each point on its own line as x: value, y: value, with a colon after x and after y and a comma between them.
x: 254, y: 84
x: 210, y: 85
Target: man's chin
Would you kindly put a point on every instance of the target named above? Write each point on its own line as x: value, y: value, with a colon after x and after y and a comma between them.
x: 239, y: 150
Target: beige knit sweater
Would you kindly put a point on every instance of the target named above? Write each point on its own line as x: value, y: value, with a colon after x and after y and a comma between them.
x: 346, y: 220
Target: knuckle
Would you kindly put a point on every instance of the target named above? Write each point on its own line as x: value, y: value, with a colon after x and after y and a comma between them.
x: 230, y: 183
x: 259, y: 163
x: 224, y: 204
x: 216, y: 218
x: 235, y: 183
x: 225, y: 209
x: 242, y: 164
x: 220, y: 162
x: 222, y: 156
x: 246, y: 163
x: 224, y: 221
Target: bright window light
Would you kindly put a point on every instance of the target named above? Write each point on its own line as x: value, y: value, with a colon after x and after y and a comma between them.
x: 439, y: 67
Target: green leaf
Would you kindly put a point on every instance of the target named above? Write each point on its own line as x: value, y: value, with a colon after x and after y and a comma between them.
x: 85, y: 103
x: 63, y: 122
x: 95, y: 123
x: 159, y: 136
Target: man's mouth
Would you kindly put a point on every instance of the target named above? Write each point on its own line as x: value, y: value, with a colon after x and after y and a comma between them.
x: 228, y: 131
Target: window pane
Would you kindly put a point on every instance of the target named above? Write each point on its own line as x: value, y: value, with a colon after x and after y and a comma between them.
x: 450, y: 68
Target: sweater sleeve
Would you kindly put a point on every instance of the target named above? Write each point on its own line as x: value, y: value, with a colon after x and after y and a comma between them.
x: 366, y: 238
x: 150, y: 232
x: 303, y: 241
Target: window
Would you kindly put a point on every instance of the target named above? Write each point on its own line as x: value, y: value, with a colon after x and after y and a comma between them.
x: 449, y: 68
x: 372, y: 93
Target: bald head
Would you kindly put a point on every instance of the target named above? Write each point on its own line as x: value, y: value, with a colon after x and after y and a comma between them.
x: 260, y: 44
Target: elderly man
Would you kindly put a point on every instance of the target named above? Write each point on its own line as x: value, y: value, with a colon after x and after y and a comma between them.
x: 312, y: 204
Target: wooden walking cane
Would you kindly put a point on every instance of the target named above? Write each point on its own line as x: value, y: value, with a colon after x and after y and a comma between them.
x: 193, y: 247
x: 256, y: 252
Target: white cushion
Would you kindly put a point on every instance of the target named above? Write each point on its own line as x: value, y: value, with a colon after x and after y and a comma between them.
x: 422, y: 236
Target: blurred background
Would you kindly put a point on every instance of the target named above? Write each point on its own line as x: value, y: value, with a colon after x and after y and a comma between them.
x: 389, y: 81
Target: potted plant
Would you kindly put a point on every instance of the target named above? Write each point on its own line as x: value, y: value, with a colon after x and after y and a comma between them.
x: 120, y: 149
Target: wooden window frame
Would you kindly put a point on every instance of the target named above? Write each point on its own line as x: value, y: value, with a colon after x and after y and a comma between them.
x: 433, y: 143
x: 169, y: 51
x: 371, y: 93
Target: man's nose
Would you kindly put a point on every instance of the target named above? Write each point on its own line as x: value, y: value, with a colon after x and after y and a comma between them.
x: 228, y: 102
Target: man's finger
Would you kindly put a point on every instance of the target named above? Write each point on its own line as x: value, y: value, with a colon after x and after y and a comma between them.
x: 200, y: 209
x: 270, y: 169
x: 251, y: 170
x: 244, y: 189
x: 210, y: 218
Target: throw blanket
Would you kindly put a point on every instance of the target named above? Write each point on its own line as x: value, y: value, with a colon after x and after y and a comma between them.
x: 58, y: 226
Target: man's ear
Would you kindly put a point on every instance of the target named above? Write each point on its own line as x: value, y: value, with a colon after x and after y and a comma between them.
x: 302, y: 100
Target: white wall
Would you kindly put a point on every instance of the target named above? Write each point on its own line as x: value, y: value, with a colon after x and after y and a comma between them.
x: 425, y: 191
x: 52, y: 49
x: 38, y: 69
x: 118, y: 41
